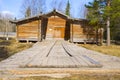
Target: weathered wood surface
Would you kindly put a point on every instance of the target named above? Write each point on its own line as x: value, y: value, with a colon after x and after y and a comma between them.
x: 56, y: 27
x: 59, y: 54
x: 28, y: 31
x: 51, y: 54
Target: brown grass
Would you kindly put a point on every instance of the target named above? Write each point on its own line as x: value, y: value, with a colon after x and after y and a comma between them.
x: 76, y: 77
x: 113, y: 50
x: 10, y: 47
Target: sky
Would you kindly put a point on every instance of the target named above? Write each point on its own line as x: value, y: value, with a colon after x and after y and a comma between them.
x: 10, y: 6
x: 13, y: 7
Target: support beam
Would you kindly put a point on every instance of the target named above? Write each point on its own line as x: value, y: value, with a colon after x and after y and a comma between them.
x: 72, y: 33
x: 39, y: 31
x: 42, y: 29
x: 17, y: 32
x: 67, y: 31
x: 71, y: 37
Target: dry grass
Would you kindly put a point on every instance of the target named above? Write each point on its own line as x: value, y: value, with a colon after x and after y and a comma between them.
x: 76, y: 77
x: 10, y: 47
x: 113, y: 50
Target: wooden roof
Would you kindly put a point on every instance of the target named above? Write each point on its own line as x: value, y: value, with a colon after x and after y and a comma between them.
x: 53, y: 13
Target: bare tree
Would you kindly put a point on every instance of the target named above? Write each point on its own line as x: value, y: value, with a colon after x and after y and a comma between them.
x: 32, y: 7
x: 28, y: 12
x: 60, y: 5
x: 5, y: 25
x: 25, y: 6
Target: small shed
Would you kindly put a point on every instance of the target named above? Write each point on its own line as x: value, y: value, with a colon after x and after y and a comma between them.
x: 54, y: 25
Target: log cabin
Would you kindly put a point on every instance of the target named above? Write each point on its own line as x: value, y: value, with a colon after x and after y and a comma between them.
x: 54, y: 25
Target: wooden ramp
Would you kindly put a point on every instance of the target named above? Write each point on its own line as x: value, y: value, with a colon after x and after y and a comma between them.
x: 61, y: 54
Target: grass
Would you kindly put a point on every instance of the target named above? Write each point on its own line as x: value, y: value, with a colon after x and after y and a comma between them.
x: 10, y: 47
x: 77, y: 77
x: 113, y: 50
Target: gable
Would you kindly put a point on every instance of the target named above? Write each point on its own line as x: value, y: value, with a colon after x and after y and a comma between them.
x: 56, y: 13
x: 56, y: 21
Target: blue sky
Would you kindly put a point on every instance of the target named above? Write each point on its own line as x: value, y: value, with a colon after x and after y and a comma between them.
x: 13, y: 7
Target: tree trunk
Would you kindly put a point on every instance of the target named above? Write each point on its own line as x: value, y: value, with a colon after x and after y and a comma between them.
x: 108, y: 32
x: 6, y: 26
x: 97, y: 36
x: 108, y: 26
x: 101, y: 36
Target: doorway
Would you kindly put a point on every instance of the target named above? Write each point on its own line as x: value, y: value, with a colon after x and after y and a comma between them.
x: 59, y: 32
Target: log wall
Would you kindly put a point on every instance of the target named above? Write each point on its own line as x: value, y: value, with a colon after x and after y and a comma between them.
x: 80, y: 33
x: 28, y: 31
x: 55, y: 28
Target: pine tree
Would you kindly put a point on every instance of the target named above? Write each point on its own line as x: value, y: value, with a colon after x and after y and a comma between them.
x: 95, y: 16
x: 115, y: 19
x: 67, y: 12
x: 109, y: 14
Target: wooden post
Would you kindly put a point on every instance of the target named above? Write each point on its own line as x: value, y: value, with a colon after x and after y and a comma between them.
x: 27, y: 41
x: 39, y: 30
x: 6, y: 26
x: 72, y: 33
x: 101, y: 36
x: 17, y: 32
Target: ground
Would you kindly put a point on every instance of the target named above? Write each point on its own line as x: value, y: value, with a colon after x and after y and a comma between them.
x: 70, y: 77
x: 10, y: 47
x: 72, y: 63
x: 113, y: 49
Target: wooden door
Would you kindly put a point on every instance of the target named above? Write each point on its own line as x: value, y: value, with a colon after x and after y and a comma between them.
x: 58, y: 32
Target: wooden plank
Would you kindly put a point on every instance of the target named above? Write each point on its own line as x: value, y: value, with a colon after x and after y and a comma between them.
x: 27, y: 29
x: 30, y: 23
x: 96, y: 63
x: 69, y: 63
x: 61, y: 62
x: 81, y: 61
x: 87, y: 61
x: 44, y: 62
x: 76, y: 62
x: 52, y: 62
x: 35, y: 63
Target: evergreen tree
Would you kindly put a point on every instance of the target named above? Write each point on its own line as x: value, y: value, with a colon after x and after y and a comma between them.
x: 115, y: 19
x: 101, y: 11
x: 67, y: 12
x: 95, y: 15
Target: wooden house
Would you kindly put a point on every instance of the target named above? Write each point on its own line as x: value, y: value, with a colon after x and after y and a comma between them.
x: 54, y: 25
